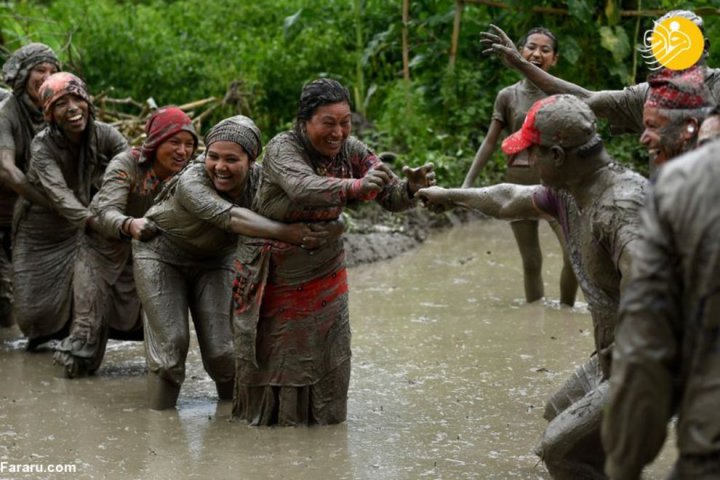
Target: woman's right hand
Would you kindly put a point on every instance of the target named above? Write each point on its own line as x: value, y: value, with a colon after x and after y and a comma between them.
x: 374, y: 181
x: 142, y: 229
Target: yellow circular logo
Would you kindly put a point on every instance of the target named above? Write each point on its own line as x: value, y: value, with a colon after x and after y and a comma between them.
x: 677, y: 43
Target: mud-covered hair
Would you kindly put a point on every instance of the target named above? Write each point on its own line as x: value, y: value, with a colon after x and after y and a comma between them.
x: 323, y: 91
x: 542, y: 31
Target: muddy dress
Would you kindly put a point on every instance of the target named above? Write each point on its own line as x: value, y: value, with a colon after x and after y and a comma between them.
x: 189, y: 265
x: 666, y: 359
x: 623, y: 109
x: 47, y: 240
x: 596, y: 238
x: 106, y: 302
x: 20, y: 121
x: 291, y: 324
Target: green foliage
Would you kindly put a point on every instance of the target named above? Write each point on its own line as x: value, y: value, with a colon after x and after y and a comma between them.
x: 182, y: 50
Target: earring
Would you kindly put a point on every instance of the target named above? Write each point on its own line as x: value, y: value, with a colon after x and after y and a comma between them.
x: 691, y: 129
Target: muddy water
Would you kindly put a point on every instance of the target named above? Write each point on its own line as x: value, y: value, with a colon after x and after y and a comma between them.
x: 450, y: 373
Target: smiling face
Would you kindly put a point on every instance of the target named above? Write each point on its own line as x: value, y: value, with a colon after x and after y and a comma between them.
x: 227, y: 164
x: 663, y: 139
x: 173, y: 154
x: 70, y: 113
x: 539, y: 49
x: 37, y: 76
x: 329, y: 127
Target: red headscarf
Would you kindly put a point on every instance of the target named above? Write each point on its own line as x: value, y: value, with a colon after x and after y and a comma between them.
x: 57, y: 86
x: 163, y: 124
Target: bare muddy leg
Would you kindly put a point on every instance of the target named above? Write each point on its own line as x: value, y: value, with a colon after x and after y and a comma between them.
x: 571, y: 447
x: 526, y: 236
x: 568, y: 282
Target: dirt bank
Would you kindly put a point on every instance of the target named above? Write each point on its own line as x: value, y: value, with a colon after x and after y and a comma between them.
x: 374, y: 234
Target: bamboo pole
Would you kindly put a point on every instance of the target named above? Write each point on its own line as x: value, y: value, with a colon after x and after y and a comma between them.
x: 405, y: 46
x: 459, y: 6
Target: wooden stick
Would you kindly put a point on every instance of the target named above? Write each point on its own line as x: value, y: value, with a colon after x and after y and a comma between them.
x: 459, y: 6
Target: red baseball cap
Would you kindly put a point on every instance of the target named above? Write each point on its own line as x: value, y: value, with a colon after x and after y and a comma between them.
x: 563, y: 120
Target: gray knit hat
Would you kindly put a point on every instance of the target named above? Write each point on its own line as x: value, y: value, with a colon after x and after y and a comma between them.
x: 238, y: 129
x: 16, y: 69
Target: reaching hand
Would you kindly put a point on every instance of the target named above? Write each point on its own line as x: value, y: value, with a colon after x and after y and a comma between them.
x: 437, y: 199
x: 420, y: 177
x: 374, y: 181
x: 142, y: 229
x: 497, y: 42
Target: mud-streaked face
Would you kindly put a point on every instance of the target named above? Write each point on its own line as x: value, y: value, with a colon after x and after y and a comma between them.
x: 173, y: 154
x: 539, y: 49
x: 227, y: 164
x: 329, y: 127
x: 70, y: 114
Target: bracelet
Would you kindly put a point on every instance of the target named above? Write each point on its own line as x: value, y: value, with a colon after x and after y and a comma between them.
x: 124, y: 228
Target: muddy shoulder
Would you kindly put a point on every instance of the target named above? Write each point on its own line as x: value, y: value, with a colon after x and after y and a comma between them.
x: 374, y: 234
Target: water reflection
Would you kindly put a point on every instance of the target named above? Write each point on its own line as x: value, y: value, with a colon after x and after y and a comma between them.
x: 450, y: 372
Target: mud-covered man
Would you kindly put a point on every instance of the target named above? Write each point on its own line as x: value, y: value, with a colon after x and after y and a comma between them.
x: 666, y: 360
x: 597, y: 203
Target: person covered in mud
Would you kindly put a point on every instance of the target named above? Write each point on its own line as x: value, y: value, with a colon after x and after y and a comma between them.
x: 21, y: 118
x: 69, y: 158
x: 597, y: 202
x: 291, y: 324
x: 105, y: 300
x: 665, y: 361
x: 189, y: 264
x: 540, y: 47
x: 675, y: 107
x: 623, y: 109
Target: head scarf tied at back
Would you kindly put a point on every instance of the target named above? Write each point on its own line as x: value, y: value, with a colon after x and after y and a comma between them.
x: 57, y: 86
x: 678, y: 89
x: 163, y: 124
x: 16, y: 69
x: 238, y: 129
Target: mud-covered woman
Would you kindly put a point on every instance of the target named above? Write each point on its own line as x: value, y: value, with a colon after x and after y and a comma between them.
x: 21, y: 118
x: 68, y: 161
x: 540, y: 47
x: 291, y: 324
x: 106, y: 301
x: 188, y: 265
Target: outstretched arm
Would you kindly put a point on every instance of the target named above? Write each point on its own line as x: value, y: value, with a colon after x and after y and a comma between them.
x: 505, y: 201
x: 13, y: 178
x: 484, y: 152
x: 246, y: 222
x: 497, y: 42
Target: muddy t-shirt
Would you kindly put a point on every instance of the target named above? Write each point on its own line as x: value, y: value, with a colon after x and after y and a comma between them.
x: 596, y: 238
x: 194, y: 217
x: 623, y: 109
x: 511, y: 107
x: 19, y: 122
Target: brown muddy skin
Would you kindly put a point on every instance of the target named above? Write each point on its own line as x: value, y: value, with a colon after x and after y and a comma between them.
x: 449, y: 378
